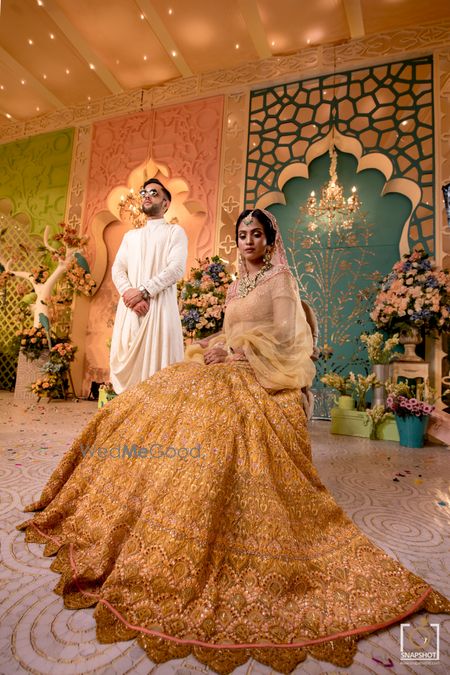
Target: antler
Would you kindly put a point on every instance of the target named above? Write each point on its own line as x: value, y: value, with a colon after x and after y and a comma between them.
x: 18, y: 273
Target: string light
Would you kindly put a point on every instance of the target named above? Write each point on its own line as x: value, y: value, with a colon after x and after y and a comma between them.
x: 44, y: 76
x: 30, y: 41
x: 8, y: 116
x: 67, y: 71
x: 173, y: 53
x: 236, y: 46
x: 142, y: 16
x: 52, y: 36
x: 145, y: 57
x: 23, y: 81
x: 91, y: 66
x: 170, y: 11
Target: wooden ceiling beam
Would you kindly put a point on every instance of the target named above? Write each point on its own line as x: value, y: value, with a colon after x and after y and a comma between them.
x: 250, y: 14
x: 353, y: 12
x: 165, y: 38
x: 23, y: 74
x: 81, y: 46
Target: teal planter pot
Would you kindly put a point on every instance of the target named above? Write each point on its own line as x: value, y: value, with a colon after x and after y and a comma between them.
x: 411, y: 430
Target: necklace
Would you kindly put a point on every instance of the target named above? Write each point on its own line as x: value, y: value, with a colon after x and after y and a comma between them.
x: 248, y: 283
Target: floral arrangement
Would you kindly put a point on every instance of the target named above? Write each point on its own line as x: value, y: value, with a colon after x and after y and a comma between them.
x: 377, y: 415
x: 353, y: 385
x: 338, y: 382
x: 55, y: 379
x: 40, y: 274
x: 202, y: 298
x: 48, y: 385
x: 63, y: 352
x: 360, y: 385
x: 404, y: 402
x: 32, y: 341
x: 69, y: 237
x: 60, y: 357
x: 379, y: 350
x: 80, y: 279
x: 415, y: 294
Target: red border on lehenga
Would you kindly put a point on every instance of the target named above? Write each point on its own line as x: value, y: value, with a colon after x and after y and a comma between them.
x: 254, y: 645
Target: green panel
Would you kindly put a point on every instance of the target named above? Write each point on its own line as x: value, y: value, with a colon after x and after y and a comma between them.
x: 334, y: 271
x: 389, y: 109
x: 34, y: 175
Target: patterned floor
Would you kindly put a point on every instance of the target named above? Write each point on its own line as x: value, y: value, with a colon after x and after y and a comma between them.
x: 399, y: 497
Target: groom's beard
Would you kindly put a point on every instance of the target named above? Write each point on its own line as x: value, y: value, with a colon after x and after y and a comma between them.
x: 151, y: 210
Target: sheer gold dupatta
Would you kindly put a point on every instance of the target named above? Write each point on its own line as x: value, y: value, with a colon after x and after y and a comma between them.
x: 269, y: 325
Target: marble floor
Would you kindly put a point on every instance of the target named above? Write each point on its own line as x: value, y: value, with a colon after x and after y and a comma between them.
x: 399, y: 497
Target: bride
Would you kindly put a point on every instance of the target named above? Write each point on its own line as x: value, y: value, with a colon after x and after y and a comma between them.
x: 190, y: 513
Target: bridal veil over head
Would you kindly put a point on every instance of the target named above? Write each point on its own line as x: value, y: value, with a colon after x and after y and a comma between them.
x: 269, y: 325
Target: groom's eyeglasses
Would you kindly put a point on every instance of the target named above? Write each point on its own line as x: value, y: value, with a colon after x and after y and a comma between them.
x: 149, y: 193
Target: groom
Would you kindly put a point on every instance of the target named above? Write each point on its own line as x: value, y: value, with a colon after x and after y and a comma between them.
x: 147, y: 334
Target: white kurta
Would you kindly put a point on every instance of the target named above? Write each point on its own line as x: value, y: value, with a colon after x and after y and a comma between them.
x: 155, y: 256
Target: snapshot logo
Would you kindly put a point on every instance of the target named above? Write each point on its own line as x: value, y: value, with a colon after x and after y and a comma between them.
x: 420, y: 642
x: 154, y: 451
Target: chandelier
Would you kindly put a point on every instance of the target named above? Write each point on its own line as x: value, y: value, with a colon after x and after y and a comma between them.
x: 338, y: 211
x: 130, y: 206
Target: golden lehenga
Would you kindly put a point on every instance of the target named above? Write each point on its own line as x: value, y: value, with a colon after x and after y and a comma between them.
x: 189, y: 511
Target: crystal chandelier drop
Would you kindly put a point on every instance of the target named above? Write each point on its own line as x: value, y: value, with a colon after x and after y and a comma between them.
x: 130, y: 208
x: 338, y: 211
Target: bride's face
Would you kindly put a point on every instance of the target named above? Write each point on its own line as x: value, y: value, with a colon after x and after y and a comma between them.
x: 252, y: 242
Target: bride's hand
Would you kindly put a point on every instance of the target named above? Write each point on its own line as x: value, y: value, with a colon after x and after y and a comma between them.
x: 215, y: 355
x: 202, y: 343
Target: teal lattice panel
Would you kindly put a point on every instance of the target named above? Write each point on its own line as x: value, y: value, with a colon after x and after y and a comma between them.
x: 388, y: 108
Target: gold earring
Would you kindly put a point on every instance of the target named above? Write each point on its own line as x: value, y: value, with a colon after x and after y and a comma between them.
x: 267, y: 255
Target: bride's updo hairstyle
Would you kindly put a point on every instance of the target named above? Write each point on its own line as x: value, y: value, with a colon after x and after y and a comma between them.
x: 261, y: 217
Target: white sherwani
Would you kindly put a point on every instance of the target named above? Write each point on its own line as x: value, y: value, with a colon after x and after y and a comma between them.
x: 155, y: 256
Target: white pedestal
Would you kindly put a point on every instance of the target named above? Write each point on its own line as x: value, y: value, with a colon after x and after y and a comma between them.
x: 27, y: 373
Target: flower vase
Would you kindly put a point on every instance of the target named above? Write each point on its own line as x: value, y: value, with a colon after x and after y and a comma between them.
x: 381, y: 371
x: 346, y: 403
x: 411, y: 430
x: 409, y: 338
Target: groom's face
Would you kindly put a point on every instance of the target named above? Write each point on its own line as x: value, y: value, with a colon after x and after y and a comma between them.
x: 154, y: 203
